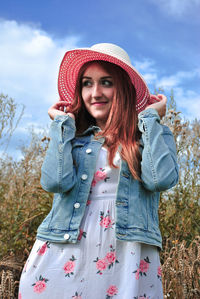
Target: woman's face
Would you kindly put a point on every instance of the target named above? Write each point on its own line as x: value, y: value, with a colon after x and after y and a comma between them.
x: 97, y: 92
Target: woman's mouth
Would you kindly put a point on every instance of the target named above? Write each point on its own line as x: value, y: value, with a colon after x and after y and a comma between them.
x: 99, y: 103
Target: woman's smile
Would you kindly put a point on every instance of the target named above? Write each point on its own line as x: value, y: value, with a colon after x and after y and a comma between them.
x: 99, y: 103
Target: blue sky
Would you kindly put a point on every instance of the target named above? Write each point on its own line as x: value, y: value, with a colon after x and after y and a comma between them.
x: 161, y: 37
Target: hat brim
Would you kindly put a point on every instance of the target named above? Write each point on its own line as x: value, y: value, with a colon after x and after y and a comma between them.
x: 75, y: 59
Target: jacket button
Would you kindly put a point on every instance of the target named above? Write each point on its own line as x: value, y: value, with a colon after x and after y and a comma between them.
x: 84, y: 176
x: 77, y: 205
x: 88, y: 150
x: 66, y: 236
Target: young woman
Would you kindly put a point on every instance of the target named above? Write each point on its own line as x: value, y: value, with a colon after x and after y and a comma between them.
x: 107, y: 161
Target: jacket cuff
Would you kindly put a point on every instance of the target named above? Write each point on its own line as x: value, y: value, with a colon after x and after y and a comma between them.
x: 65, y: 120
x: 150, y: 112
x: 62, y: 128
x: 147, y: 119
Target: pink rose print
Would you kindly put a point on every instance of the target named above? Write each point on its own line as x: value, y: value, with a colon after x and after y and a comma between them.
x: 110, y: 257
x: 101, y: 265
x: 88, y: 202
x: 106, y: 262
x: 94, y: 183
x: 159, y: 273
x: 107, y: 221
x: 98, y: 176
x: 43, y: 249
x: 69, y: 266
x: 81, y: 234
x: 137, y: 274
x: 40, y: 285
x: 111, y: 291
x: 20, y: 296
x: 77, y: 296
x: 143, y: 268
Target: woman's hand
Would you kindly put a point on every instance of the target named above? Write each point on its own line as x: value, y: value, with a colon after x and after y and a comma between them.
x: 59, y: 108
x: 159, y: 103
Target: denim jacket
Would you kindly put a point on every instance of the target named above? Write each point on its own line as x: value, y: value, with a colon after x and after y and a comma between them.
x: 68, y: 171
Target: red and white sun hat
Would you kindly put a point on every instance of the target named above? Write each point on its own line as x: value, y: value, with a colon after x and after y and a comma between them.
x: 74, y: 59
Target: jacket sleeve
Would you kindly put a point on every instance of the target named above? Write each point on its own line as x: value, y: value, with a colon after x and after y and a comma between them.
x: 159, y: 169
x: 58, y: 173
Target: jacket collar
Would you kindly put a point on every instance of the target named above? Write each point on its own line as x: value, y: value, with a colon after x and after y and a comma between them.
x: 89, y: 131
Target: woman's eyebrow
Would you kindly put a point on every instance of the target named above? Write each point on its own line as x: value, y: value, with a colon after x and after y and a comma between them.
x: 104, y: 77
x: 86, y: 77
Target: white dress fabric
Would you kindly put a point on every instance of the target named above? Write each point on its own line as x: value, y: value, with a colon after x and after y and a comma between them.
x: 98, y: 266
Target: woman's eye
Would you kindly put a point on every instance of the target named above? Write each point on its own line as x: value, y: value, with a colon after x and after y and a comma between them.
x: 107, y: 83
x: 86, y: 83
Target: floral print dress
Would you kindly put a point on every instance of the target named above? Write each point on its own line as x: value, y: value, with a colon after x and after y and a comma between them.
x: 98, y: 266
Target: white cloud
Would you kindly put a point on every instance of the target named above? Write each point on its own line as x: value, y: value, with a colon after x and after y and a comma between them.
x: 150, y: 78
x: 177, y: 7
x: 144, y: 65
x: 29, y: 61
x: 147, y: 69
x: 169, y: 82
x: 188, y: 101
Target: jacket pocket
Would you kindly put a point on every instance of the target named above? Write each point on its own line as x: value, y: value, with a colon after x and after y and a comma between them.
x: 60, y: 214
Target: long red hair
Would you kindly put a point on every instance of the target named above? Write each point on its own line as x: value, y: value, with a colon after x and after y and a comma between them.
x: 121, y: 127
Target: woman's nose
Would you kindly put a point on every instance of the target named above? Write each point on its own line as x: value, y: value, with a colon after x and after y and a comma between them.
x: 96, y: 91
